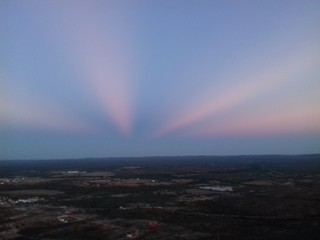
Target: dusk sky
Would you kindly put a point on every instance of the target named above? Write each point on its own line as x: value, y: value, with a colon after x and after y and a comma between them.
x: 146, y: 77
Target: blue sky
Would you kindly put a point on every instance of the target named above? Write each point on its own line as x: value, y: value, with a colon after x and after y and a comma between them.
x: 140, y: 78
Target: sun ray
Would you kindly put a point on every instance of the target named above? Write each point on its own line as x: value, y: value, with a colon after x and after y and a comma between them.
x: 249, y: 88
x: 100, y: 53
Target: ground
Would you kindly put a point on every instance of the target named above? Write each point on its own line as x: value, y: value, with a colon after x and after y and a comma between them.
x: 244, y: 197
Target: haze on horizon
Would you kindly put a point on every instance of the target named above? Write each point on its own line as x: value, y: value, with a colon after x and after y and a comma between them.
x: 140, y: 78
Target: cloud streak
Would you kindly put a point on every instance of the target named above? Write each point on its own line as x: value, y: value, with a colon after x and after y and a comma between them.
x: 249, y: 87
x: 100, y: 53
x: 275, y: 120
x: 23, y: 110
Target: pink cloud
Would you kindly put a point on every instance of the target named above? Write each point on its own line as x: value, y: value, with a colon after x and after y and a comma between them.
x: 248, y: 88
x: 100, y: 53
x: 26, y: 111
x: 283, y: 120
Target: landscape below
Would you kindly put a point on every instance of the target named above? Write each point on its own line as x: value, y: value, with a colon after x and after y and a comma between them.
x: 188, y: 197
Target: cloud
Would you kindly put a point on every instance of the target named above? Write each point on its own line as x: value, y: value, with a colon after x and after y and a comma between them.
x: 99, y: 51
x: 247, y: 89
x: 22, y: 110
x: 274, y: 120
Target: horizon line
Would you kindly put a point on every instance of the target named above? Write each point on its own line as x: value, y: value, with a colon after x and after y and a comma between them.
x: 163, y: 156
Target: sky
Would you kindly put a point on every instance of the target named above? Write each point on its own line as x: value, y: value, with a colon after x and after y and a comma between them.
x: 158, y: 78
